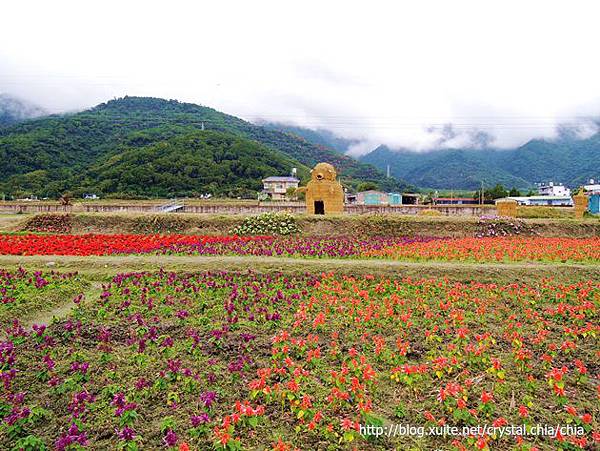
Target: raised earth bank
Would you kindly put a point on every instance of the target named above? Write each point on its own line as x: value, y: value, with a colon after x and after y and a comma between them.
x: 371, y: 225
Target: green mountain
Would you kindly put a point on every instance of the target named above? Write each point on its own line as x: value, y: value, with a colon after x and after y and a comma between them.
x: 77, y: 152
x: 567, y: 160
x: 188, y: 165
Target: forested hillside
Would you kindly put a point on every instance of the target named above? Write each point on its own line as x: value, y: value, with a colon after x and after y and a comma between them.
x: 567, y: 160
x: 189, y: 165
x: 57, y: 153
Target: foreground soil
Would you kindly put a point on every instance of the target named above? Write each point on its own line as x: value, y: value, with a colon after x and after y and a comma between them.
x: 248, y: 360
x: 459, y: 271
x: 360, y: 225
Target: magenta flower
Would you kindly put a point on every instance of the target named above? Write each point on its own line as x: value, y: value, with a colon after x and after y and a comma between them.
x: 127, y: 434
x: 170, y: 438
x: 208, y: 398
x: 197, y: 420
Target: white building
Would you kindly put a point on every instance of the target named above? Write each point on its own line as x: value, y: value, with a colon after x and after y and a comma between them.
x: 276, y: 187
x: 551, y: 201
x: 593, y: 187
x: 550, y: 189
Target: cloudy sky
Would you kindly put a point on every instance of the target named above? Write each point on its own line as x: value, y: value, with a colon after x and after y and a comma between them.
x: 418, y: 75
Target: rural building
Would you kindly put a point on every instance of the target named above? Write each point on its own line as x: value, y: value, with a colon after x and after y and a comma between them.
x: 593, y: 187
x: 550, y: 189
x: 349, y: 198
x: 455, y: 201
x: 373, y: 197
x: 411, y: 199
x: 276, y: 187
x: 394, y: 199
x: 552, y: 201
x: 594, y: 205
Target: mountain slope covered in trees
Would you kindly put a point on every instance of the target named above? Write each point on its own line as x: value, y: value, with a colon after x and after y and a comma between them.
x: 567, y: 160
x: 53, y: 154
x: 188, y: 165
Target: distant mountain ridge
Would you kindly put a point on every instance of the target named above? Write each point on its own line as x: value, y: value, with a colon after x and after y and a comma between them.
x: 71, y: 152
x: 567, y: 160
x: 52, y: 154
x: 13, y: 110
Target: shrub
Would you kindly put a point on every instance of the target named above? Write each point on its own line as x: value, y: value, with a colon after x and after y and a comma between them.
x: 49, y: 223
x: 268, y: 224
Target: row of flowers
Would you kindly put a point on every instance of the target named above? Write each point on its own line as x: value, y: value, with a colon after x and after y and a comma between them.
x: 502, y: 249
x: 96, y: 244
x: 100, y: 244
x: 244, y: 361
x: 497, y: 249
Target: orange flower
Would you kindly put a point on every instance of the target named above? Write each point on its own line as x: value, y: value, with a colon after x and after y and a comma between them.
x: 523, y: 412
x: 486, y: 397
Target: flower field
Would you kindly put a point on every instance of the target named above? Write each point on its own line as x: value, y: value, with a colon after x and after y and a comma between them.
x: 86, y: 245
x: 98, y: 244
x: 497, y: 249
x: 23, y: 292
x: 246, y: 361
x: 484, y: 249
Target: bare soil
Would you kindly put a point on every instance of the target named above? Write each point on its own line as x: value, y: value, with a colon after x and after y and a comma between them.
x: 102, y: 266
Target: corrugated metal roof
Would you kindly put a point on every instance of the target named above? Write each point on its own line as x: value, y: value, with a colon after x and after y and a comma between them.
x: 539, y: 197
x: 281, y: 179
x: 372, y: 191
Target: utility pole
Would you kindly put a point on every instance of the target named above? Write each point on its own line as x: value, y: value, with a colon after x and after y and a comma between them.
x: 388, y: 171
x: 481, y: 194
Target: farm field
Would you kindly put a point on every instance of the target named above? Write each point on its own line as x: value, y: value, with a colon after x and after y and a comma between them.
x: 484, y: 249
x: 260, y: 341
x: 332, y: 226
x: 247, y: 360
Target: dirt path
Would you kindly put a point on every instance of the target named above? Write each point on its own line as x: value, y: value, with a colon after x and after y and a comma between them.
x: 63, y: 310
x: 98, y: 267
x: 9, y: 221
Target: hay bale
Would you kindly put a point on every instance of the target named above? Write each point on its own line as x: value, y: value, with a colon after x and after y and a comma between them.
x: 506, y: 208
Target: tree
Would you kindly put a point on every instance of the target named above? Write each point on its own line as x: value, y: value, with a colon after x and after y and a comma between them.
x: 366, y: 186
x: 496, y: 192
x: 290, y: 193
x: 514, y: 192
x: 135, y: 136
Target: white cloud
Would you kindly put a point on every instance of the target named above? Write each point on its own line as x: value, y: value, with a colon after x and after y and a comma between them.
x: 380, y: 72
